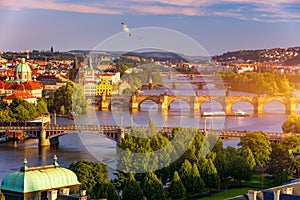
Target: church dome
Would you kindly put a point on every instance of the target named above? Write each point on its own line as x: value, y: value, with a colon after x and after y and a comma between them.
x: 23, y: 67
x: 39, y: 179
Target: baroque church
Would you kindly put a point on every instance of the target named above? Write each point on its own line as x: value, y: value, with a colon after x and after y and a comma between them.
x: 23, y: 86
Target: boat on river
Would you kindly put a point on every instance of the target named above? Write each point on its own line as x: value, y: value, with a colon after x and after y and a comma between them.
x: 215, y: 113
x: 238, y: 113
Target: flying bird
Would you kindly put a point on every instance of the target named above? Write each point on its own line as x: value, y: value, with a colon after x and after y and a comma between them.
x: 126, y: 29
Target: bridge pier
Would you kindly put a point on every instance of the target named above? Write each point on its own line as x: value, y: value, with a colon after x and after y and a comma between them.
x: 228, y: 108
x: 43, y: 141
x: 104, y: 103
x: 195, y: 106
x: 290, y: 108
x: 134, y: 105
x: 120, y: 135
x: 258, y: 109
x: 164, y: 103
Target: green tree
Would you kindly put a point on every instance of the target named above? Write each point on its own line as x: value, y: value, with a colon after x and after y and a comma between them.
x: 92, y: 176
x: 230, y: 152
x: 281, y: 162
x: 5, y: 116
x: 21, y: 114
x: 185, y: 173
x: 41, y: 106
x: 32, y: 111
x: 197, y: 183
x: 153, y: 188
x: 111, y: 193
x: 292, y: 124
x: 291, y: 142
x: 132, y: 190
x: 259, y: 144
x: 248, y: 155
x: 177, y: 190
x: 208, y: 172
x: 240, y: 169
x: 221, y: 163
x: 71, y: 97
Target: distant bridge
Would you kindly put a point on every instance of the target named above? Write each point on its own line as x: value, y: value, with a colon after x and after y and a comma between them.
x: 49, y: 134
x: 195, y: 102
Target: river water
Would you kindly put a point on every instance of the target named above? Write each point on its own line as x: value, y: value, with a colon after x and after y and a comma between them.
x: 80, y: 146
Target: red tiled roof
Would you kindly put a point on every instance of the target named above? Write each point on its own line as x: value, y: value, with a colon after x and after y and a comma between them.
x: 33, y: 85
x: 19, y: 94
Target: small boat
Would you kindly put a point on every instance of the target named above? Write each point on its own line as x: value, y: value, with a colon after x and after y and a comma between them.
x: 216, y: 113
x: 241, y: 113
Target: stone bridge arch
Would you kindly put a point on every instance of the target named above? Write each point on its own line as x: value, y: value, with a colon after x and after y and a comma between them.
x: 230, y: 100
x: 219, y: 99
x: 136, y: 101
x: 188, y: 99
x: 262, y: 101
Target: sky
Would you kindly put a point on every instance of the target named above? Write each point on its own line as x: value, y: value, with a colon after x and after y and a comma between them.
x: 218, y: 26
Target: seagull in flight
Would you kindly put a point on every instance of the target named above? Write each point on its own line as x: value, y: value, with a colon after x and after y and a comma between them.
x: 126, y: 29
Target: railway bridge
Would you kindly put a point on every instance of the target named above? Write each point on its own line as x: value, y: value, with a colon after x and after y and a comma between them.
x: 49, y: 134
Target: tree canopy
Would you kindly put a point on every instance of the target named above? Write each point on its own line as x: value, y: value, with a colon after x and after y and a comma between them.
x: 132, y: 190
x: 260, y: 146
x: 292, y: 124
x: 21, y: 110
x: 92, y: 176
x: 259, y: 83
x: 177, y: 189
x: 68, y: 98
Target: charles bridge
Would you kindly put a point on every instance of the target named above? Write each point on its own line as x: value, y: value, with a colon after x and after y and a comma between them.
x: 164, y: 100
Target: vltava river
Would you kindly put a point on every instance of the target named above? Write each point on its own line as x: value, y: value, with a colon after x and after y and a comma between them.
x: 78, y: 146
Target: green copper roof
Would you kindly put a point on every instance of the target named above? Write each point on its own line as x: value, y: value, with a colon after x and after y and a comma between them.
x: 39, y: 179
x: 22, y: 67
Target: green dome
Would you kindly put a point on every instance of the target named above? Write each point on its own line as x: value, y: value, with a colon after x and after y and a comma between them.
x: 39, y: 179
x: 23, y: 67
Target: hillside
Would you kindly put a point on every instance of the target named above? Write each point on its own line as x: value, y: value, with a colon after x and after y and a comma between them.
x: 285, y: 56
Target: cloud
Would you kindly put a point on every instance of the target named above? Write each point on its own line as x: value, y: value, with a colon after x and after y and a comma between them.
x: 253, y: 10
x: 54, y: 5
